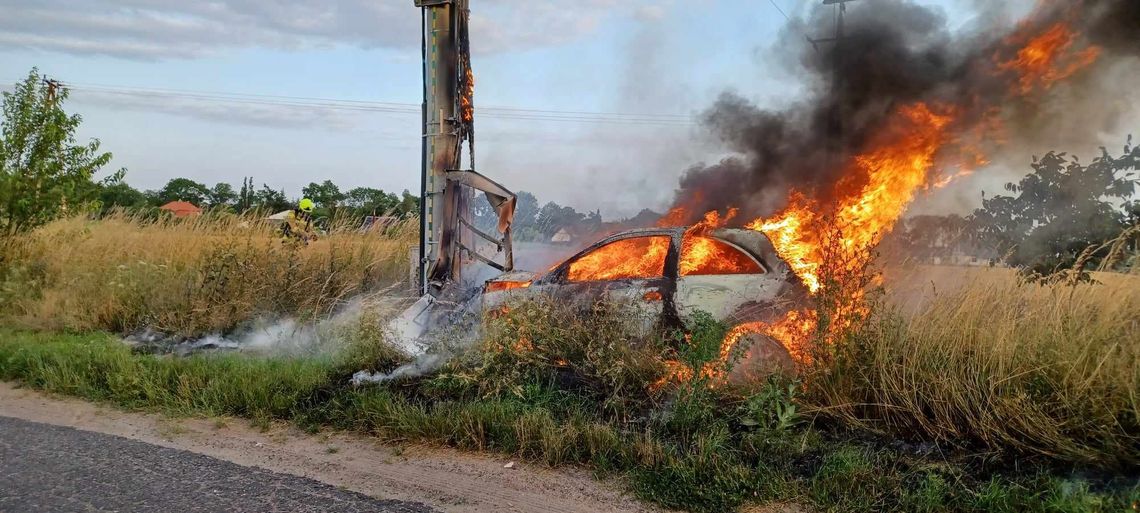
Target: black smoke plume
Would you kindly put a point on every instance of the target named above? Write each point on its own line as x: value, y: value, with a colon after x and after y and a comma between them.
x: 893, y: 53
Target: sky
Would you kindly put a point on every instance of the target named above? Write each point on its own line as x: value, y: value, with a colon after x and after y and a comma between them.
x: 297, y: 91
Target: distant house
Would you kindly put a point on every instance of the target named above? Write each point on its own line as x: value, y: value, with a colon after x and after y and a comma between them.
x: 181, y: 209
x: 564, y: 235
x: 279, y: 217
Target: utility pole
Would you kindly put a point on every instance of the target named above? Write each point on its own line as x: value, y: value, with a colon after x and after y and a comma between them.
x: 837, y: 79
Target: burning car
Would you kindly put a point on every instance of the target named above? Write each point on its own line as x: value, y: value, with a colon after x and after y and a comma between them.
x: 667, y: 274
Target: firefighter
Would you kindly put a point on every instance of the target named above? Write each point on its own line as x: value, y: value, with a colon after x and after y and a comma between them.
x: 298, y: 225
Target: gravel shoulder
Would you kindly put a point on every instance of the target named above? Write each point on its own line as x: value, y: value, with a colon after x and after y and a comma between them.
x: 442, y: 479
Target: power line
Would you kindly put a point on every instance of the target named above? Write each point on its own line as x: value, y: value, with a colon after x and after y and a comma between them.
x: 782, y: 13
x: 509, y: 113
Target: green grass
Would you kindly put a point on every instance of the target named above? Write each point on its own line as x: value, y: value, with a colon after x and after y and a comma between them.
x: 688, y: 448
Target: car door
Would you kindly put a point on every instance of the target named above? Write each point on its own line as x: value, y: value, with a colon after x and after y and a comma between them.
x: 631, y: 270
x: 721, y: 278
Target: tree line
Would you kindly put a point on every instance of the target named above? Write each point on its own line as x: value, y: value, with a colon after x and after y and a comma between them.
x: 539, y: 223
x: 328, y: 197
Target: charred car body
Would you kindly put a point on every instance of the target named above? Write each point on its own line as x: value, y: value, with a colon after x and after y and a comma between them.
x: 667, y: 274
x: 663, y: 275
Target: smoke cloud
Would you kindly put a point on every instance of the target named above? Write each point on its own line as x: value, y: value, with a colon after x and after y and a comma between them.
x: 895, y: 53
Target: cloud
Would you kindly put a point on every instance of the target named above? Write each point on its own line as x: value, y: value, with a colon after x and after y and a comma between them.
x: 179, y: 29
x: 250, y: 114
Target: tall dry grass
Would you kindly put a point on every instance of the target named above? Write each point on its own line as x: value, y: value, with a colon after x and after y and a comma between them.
x: 970, y: 356
x: 187, y: 277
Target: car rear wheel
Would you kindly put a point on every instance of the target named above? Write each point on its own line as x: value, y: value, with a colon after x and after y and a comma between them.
x: 763, y: 357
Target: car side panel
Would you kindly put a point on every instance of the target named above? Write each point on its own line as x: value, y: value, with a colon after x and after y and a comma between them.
x: 723, y: 295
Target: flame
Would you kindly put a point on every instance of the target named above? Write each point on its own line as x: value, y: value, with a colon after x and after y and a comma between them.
x: 644, y: 257
x: 497, y: 286
x: 893, y: 169
x: 701, y: 254
x: 641, y: 257
x: 791, y: 331
x: 788, y: 236
x: 675, y: 372
x: 1045, y: 58
x: 675, y: 217
x: 466, y: 104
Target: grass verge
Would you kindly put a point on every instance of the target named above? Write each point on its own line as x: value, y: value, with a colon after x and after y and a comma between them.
x: 691, y: 447
x: 976, y: 360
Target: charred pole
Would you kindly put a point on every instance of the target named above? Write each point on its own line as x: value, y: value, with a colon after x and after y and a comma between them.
x: 447, y: 235
x: 444, y: 25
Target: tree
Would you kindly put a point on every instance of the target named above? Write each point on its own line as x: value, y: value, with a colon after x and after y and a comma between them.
x: 553, y: 216
x: 43, y: 171
x: 247, y: 196
x: 369, y: 201
x: 526, y: 210
x: 409, y: 205
x: 271, y: 200
x: 325, y: 194
x: 483, y: 215
x: 1059, y: 210
x: 184, y: 189
x: 222, y: 195
x: 525, y: 226
x: 118, y: 194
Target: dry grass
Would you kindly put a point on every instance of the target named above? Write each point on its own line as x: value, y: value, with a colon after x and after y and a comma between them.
x: 186, y: 277
x: 969, y: 356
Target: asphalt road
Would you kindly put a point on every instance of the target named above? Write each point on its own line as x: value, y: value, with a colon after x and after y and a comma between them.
x: 45, y: 468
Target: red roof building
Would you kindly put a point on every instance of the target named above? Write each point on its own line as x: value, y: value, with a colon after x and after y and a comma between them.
x: 181, y: 209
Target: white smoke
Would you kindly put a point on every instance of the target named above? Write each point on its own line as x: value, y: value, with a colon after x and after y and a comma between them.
x: 424, y: 364
x: 284, y: 337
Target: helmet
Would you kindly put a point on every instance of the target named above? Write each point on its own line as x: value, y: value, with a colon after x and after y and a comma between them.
x: 306, y: 205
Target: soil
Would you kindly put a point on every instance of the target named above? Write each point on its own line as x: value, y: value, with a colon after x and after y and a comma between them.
x: 447, y: 480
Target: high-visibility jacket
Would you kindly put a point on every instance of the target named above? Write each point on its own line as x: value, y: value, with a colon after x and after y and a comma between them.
x: 298, y: 225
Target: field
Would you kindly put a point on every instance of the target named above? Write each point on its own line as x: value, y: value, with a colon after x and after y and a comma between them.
x: 187, y: 277
x: 965, y: 391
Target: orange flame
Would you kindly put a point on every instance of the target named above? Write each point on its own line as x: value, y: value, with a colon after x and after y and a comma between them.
x: 466, y: 104
x: 642, y: 257
x: 894, y: 168
x: 1045, y: 58
x: 497, y: 286
x: 701, y: 254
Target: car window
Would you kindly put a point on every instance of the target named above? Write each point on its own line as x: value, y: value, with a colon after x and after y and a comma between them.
x: 638, y: 257
x: 706, y: 255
